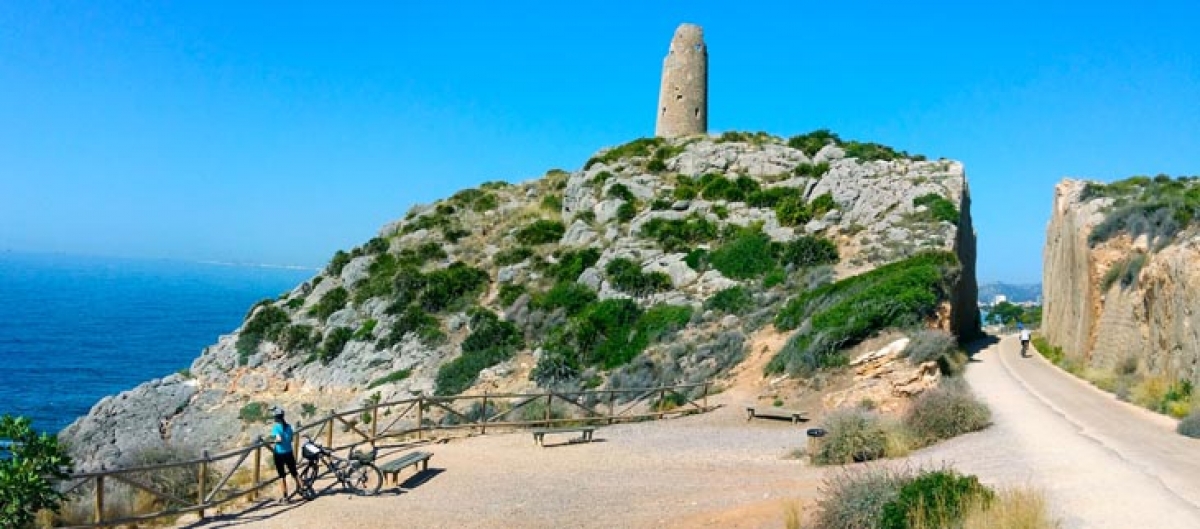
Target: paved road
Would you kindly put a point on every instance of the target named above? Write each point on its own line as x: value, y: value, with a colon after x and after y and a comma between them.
x: 1100, y: 461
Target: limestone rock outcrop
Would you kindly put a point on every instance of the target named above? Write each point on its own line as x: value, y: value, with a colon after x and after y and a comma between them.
x: 1122, y: 300
x: 885, y: 380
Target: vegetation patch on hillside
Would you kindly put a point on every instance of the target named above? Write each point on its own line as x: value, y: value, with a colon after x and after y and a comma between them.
x: 814, y: 141
x: 1157, y: 208
x: 491, y: 341
x: 839, y: 315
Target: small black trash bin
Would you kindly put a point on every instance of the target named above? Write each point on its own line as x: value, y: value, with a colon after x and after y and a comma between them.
x: 816, y: 437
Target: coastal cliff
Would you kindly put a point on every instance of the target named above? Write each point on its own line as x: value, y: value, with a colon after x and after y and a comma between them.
x: 649, y: 265
x: 1121, y: 286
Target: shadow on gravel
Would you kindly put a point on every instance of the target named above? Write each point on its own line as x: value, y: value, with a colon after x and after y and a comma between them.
x: 975, y: 346
x: 251, y: 515
x: 573, y: 442
x: 418, y: 479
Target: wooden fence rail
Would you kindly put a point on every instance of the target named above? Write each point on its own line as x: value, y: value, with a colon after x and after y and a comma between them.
x: 416, y: 416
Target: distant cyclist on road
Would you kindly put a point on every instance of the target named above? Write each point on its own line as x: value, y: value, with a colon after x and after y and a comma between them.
x: 1024, y: 338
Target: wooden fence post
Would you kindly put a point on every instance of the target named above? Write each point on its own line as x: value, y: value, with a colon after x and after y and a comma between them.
x: 374, y: 422
x: 612, y: 404
x: 329, y: 430
x: 257, y: 472
x: 705, y: 402
x: 483, y: 415
x: 98, y: 508
x: 549, y: 406
x: 420, y: 415
x: 203, y: 479
x: 662, y: 404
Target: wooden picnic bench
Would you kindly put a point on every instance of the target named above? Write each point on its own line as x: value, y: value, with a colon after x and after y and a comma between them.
x: 392, y: 468
x: 775, y: 413
x: 586, y: 433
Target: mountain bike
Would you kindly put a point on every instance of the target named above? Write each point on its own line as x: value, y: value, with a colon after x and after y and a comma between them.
x: 357, y: 474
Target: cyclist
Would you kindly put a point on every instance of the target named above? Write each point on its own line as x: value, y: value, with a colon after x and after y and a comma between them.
x: 281, y: 439
x: 1024, y: 338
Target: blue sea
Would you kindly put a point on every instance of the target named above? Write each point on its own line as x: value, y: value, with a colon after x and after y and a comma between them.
x: 74, y: 329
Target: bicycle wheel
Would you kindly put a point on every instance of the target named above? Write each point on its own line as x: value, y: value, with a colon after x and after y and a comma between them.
x: 366, y: 479
x: 307, y: 477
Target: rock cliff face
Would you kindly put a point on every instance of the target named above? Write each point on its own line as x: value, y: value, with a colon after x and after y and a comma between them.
x: 1121, y: 285
x: 607, y: 276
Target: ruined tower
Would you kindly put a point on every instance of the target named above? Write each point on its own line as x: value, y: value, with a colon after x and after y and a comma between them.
x: 683, y: 97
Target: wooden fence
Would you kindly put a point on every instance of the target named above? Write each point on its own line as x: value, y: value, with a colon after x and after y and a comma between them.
x: 214, y: 479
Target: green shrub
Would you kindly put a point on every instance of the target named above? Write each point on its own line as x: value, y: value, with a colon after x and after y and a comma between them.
x: 491, y: 341
x: 696, y: 259
x: 1125, y: 270
x: 572, y: 263
x: 509, y: 292
x: 844, y: 313
x: 855, y: 497
x: 254, y: 412
x: 773, y: 278
x: 680, y: 235
x: 733, y: 300
x: 851, y: 435
x: 395, y: 376
x: 610, y: 333
x: 811, y: 170
x: 939, y: 206
x: 822, y: 204
x: 626, y: 211
x: 868, y: 151
x: 944, y: 412
x: 814, y: 141
x: 601, y: 177
x: 334, y: 343
x: 768, y: 198
x: 746, y: 256
x: 364, y: 331
x: 641, y: 147
x: 620, y: 192
x: 412, y: 319
x: 1052, y: 353
x: 792, y: 211
x: 331, y: 302
x: 656, y: 166
x: 267, y: 323
x: 627, y: 276
x: 379, y: 278
x: 340, y: 260
x: 511, y: 256
x: 1190, y: 425
x: 541, y: 231
x: 299, y: 338
x: 570, y: 296
x: 376, y: 245
x: 933, y: 499
x: 806, y: 251
x: 29, y: 479
x: 552, y: 202
x: 1157, y: 208
x: 451, y: 287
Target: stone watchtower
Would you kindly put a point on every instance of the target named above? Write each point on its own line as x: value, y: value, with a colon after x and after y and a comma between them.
x: 683, y: 97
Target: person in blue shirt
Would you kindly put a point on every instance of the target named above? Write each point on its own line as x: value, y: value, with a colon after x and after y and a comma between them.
x: 281, y: 447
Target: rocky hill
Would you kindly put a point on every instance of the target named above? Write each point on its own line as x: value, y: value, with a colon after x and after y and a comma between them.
x: 1121, y: 284
x: 649, y: 265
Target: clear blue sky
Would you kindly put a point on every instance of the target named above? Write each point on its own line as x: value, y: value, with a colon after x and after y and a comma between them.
x: 280, y: 132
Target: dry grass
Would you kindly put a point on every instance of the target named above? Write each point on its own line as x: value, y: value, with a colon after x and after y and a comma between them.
x: 1016, y: 508
x: 793, y: 514
x: 1151, y: 391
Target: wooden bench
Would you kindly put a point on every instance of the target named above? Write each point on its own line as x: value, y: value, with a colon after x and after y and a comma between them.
x: 586, y: 433
x: 392, y: 468
x: 775, y: 413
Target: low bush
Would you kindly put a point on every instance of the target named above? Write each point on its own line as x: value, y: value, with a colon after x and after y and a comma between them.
x: 929, y: 345
x: 680, y: 235
x: 627, y: 276
x: 569, y: 296
x: 451, y: 287
x: 334, y: 343
x: 607, y: 333
x: 267, y: 322
x: 807, y: 250
x: 395, y: 376
x: 933, y: 499
x: 733, y: 300
x: 940, y: 207
x: 411, y: 319
x: 844, y: 313
x: 1052, y: 353
x: 331, y: 302
x: 365, y: 330
x: 792, y: 211
x: 1190, y: 425
x: 1157, y: 208
x: 944, y: 412
x: 1011, y: 508
x: 627, y: 211
x: 811, y: 170
x: 619, y: 192
x: 642, y: 147
x: 572, y: 263
x: 855, y: 497
x: 552, y: 202
x: 509, y: 293
x: 511, y: 256
x: 491, y: 341
x: 340, y: 260
x: 541, y: 231
x: 851, y: 435
x: 814, y: 141
x: 747, y: 255
x: 254, y: 412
